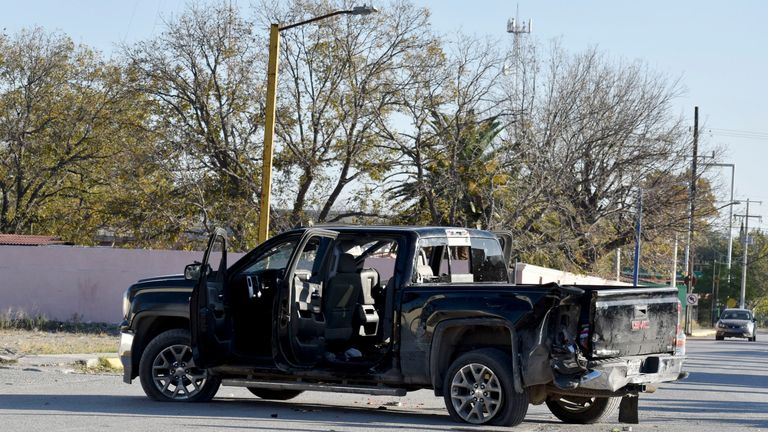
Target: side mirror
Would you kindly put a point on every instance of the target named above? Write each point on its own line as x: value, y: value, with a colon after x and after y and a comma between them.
x: 192, y: 272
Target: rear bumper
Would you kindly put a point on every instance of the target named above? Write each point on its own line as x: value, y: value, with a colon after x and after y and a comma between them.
x: 124, y: 351
x: 620, y: 372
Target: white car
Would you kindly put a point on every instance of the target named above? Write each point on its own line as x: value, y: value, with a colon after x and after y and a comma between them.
x: 738, y: 323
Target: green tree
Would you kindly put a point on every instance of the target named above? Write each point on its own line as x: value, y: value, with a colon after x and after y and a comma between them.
x: 63, y: 117
x: 452, y: 160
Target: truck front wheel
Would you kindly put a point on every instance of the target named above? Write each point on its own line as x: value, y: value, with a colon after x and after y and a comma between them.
x: 168, y: 373
x: 479, y: 389
x: 582, y: 410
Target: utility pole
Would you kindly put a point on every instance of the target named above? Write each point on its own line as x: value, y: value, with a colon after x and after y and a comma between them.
x: 746, y: 217
x: 715, y: 282
x: 690, y: 250
x: 638, y: 232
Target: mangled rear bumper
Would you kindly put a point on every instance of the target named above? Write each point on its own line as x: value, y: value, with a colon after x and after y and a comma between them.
x: 615, y: 374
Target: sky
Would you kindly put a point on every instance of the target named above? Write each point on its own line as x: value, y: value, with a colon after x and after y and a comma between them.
x: 717, y: 49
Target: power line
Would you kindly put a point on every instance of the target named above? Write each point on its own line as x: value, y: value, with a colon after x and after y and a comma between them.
x: 739, y: 133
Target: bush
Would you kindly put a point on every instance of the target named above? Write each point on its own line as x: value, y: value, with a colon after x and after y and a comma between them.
x: 22, y: 320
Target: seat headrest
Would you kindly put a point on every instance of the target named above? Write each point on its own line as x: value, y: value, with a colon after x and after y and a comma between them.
x: 346, y: 264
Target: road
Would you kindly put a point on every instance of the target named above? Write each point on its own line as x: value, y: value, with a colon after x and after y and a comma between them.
x: 727, y: 391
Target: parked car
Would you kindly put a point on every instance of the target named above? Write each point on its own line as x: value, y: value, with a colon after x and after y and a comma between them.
x: 737, y: 323
x: 388, y: 310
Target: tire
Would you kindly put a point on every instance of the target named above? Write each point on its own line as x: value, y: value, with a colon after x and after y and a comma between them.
x: 168, y: 374
x: 477, y: 377
x: 753, y: 338
x: 278, y: 395
x: 582, y: 410
x: 719, y: 337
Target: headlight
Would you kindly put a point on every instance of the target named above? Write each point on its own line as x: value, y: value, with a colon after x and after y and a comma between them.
x: 126, y: 304
x: 721, y: 325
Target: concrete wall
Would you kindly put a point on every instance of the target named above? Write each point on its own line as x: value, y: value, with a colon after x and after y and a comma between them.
x: 531, y: 274
x: 61, y: 281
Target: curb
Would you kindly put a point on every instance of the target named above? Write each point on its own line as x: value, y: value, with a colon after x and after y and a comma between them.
x: 703, y: 333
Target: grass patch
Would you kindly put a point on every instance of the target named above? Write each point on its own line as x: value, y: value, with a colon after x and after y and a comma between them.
x: 29, y: 334
x: 20, y: 320
x: 38, y: 342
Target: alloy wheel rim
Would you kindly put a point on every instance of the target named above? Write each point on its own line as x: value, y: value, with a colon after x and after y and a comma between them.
x: 476, y: 393
x: 174, y: 373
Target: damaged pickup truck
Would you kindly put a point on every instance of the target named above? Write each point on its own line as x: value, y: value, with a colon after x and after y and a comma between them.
x: 388, y: 310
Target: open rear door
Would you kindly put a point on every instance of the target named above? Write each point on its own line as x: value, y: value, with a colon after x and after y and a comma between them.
x: 300, y: 329
x: 210, y: 324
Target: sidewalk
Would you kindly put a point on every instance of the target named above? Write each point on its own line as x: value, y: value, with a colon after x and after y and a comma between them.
x: 703, y: 332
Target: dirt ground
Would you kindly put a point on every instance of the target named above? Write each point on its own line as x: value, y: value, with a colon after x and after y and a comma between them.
x: 15, y: 343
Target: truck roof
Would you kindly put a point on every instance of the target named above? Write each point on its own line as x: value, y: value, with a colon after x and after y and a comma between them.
x: 420, y: 231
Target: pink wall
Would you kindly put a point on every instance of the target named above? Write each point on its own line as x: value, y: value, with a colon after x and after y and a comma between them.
x: 61, y: 281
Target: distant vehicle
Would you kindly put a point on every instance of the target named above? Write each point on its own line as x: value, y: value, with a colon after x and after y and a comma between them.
x: 739, y: 323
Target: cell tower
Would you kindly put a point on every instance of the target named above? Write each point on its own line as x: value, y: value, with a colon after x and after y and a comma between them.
x: 517, y: 28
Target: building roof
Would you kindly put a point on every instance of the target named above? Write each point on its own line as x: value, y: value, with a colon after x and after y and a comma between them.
x: 29, y: 240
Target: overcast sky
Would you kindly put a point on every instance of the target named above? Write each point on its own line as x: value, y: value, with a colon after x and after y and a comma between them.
x: 718, y: 49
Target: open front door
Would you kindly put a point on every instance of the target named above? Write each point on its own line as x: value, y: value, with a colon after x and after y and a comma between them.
x: 210, y: 323
x: 300, y: 329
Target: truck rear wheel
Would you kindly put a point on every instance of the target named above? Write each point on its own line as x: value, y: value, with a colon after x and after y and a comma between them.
x: 479, y: 389
x: 168, y: 373
x: 582, y: 410
x: 271, y: 394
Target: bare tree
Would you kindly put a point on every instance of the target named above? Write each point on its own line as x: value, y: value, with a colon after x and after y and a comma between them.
x: 338, y: 80
x: 603, y: 130
x: 203, y: 74
x: 451, y: 158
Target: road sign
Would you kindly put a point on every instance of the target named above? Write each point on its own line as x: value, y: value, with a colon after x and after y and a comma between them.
x: 692, y: 299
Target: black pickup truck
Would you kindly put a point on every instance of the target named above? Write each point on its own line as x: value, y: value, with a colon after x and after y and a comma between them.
x: 387, y: 310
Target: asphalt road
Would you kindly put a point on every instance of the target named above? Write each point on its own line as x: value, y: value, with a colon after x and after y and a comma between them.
x: 727, y: 390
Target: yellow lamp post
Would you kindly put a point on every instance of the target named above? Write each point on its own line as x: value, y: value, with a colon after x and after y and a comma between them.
x: 269, y: 124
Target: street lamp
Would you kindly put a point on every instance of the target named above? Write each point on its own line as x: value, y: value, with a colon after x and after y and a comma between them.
x: 269, y: 123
